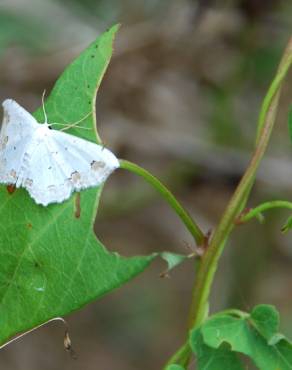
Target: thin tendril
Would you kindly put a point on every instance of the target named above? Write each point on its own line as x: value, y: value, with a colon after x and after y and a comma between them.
x: 66, y: 124
x: 75, y: 123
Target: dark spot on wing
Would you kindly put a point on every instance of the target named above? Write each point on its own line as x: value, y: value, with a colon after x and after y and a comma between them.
x: 28, y: 182
x: 77, y: 212
x: 11, y: 188
x: 75, y: 177
x: 4, y: 142
x: 97, y: 165
x: 51, y: 188
x: 29, y: 225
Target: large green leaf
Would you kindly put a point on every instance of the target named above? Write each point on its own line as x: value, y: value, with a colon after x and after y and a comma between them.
x: 50, y: 260
x: 254, y: 335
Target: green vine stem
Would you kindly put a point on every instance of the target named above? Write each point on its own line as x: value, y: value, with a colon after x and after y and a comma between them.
x: 209, y: 262
x: 255, y: 212
x: 169, y: 197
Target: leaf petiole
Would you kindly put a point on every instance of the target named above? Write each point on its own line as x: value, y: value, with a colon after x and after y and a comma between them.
x: 186, y: 218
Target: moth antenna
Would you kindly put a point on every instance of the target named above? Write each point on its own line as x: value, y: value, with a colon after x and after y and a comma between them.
x: 65, y: 124
x: 74, y: 124
x: 43, y: 105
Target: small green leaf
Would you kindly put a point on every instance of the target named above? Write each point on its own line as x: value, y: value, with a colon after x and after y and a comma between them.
x: 175, y: 367
x: 208, y: 358
x: 253, y: 336
x: 265, y: 318
x: 172, y: 260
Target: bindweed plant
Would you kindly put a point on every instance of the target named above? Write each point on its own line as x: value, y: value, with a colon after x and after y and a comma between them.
x: 52, y: 263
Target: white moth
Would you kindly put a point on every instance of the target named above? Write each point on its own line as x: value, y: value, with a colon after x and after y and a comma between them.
x: 50, y: 164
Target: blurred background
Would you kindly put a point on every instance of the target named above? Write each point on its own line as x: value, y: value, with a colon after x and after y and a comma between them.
x: 181, y: 98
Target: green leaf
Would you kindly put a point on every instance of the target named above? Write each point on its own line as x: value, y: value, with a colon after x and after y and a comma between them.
x: 209, y: 358
x: 50, y: 260
x: 175, y: 367
x: 265, y: 318
x: 172, y: 260
x: 253, y: 336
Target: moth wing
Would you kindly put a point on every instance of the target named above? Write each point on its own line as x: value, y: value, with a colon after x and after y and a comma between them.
x: 17, y: 130
x: 64, y: 164
x: 17, y: 122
